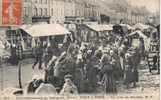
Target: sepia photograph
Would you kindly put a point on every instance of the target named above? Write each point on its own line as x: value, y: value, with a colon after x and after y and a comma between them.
x: 94, y: 49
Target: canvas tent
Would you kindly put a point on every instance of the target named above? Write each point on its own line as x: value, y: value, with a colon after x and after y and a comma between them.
x: 31, y: 34
x: 39, y: 30
x: 93, y: 32
x: 100, y: 28
x: 145, y: 38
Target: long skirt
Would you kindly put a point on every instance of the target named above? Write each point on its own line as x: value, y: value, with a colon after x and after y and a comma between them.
x: 135, y: 76
x: 109, y: 83
x: 118, y: 71
x: 128, y: 76
x: 78, y: 79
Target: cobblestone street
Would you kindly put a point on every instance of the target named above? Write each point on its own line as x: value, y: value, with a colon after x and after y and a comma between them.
x: 148, y: 82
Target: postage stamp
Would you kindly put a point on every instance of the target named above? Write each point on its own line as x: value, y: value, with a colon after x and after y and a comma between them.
x: 11, y: 12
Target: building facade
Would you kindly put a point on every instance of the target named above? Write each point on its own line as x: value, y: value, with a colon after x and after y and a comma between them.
x: 79, y: 8
x: 55, y: 11
x: 35, y: 11
x: 91, y: 10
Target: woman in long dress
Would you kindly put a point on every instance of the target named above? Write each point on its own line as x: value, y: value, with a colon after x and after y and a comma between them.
x: 108, y: 80
x: 129, y: 75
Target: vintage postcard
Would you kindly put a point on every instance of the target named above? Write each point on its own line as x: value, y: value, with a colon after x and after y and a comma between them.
x: 79, y: 49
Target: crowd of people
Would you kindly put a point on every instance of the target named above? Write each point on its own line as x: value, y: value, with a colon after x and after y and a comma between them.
x: 79, y: 67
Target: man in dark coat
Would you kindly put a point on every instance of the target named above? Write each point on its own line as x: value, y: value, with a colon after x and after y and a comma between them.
x: 114, y: 60
x: 67, y: 41
x: 38, y: 55
x: 49, y: 71
x: 142, y: 48
x: 14, y: 57
x: 48, y: 55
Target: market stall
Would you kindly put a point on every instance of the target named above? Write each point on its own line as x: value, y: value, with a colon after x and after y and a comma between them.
x: 26, y: 37
x: 136, y: 35
x: 95, y: 31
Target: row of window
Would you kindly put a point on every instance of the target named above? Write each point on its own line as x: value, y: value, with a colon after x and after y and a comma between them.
x: 41, y: 1
x: 43, y: 11
x: 37, y: 12
x: 37, y: 1
x: 40, y: 11
x: 46, y: 1
x: 59, y: 12
x: 52, y: 1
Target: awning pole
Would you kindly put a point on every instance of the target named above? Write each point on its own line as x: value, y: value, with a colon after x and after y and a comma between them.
x: 19, y: 75
x: 2, y: 76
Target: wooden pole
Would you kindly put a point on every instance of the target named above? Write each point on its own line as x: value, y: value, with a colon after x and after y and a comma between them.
x: 2, y: 76
x: 19, y: 75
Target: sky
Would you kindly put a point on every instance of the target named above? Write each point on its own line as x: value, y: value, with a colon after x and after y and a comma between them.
x: 151, y: 5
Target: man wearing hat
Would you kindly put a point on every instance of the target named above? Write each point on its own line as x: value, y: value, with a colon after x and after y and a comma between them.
x: 121, y: 52
x: 49, y: 70
x: 38, y: 55
x: 69, y: 87
x: 98, y: 53
x: 114, y: 60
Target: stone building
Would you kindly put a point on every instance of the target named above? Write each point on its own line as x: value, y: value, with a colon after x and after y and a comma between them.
x: 91, y: 11
x: 79, y: 8
x: 36, y: 11
x: 55, y: 11
x: 69, y: 8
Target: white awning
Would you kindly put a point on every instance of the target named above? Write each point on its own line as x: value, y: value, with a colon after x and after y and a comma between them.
x: 141, y: 26
x: 38, y: 30
x: 100, y: 28
x: 128, y: 26
x: 145, y: 38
